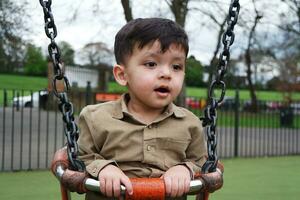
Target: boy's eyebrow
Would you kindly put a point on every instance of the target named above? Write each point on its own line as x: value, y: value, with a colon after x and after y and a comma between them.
x: 155, y: 54
x: 152, y: 54
x: 179, y: 58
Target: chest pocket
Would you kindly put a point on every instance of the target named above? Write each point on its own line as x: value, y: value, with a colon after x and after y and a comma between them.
x: 174, y: 151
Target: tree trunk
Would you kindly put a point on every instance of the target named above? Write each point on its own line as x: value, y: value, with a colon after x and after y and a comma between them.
x: 253, y: 106
x: 179, y: 10
x: 214, y: 60
x: 127, y: 10
x: 103, y: 75
x: 248, y: 61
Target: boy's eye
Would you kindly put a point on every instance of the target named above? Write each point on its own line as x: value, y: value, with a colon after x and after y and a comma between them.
x: 150, y: 64
x: 177, y: 67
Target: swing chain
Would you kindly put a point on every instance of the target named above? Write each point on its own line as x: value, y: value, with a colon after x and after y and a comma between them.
x: 210, y: 112
x: 66, y: 108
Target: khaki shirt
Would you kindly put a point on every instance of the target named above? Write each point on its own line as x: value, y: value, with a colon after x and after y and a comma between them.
x: 109, y: 134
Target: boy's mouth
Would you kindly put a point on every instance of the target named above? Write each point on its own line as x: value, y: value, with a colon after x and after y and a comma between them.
x: 162, y: 89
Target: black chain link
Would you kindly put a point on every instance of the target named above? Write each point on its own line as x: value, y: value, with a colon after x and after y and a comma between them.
x: 210, y: 112
x: 66, y: 108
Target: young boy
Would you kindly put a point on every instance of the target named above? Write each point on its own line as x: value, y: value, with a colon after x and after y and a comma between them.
x: 144, y: 134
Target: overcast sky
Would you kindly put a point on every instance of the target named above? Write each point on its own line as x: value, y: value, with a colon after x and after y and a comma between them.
x: 102, y: 27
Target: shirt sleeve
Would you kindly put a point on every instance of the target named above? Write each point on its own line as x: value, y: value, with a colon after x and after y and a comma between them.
x: 88, y: 150
x: 196, y: 152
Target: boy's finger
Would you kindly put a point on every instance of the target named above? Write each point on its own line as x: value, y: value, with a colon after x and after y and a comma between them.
x: 116, y: 187
x: 181, y: 187
x: 187, y: 185
x: 127, y: 183
x: 174, y: 189
x: 102, y: 185
x: 168, y: 186
x: 109, y: 188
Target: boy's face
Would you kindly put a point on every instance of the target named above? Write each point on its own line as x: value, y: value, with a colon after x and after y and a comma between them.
x: 154, y: 78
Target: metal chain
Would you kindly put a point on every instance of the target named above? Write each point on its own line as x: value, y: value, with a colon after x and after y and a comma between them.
x: 66, y: 108
x: 210, y: 112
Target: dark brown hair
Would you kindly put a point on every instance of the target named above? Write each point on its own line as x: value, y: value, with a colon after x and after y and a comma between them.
x: 144, y: 31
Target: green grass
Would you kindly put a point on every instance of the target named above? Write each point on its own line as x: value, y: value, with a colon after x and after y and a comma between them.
x: 202, y: 92
x: 244, y: 94
x: 22, y: 82
x: 247, y: 119
x: 273, y: 178
x: 17, y: 82
x: 39, y: 83
x: 260, y: 179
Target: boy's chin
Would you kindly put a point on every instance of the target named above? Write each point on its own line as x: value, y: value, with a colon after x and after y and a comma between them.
x: 161, y: 105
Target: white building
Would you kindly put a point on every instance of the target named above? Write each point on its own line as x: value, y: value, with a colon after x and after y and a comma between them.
x: 78, y: 77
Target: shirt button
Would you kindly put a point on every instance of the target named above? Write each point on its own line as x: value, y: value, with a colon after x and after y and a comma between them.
x: 148, y: 148
x: 150, y: 126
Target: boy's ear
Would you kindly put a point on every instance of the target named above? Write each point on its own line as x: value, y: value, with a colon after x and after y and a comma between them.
x: 120, y: 74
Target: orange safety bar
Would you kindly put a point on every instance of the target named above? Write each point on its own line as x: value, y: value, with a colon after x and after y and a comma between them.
x: 143, y: 188
x: 101, y: 97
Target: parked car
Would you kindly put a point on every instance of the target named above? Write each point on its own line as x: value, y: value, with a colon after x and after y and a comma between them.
x: 261, y: 105
x: 37, y: 98
x: 195, y: 103
x: 274, y: 105
x: 295, y: 107
x: 228, y: 103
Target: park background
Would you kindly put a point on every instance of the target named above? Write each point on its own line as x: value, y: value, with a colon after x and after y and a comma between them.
x: 259, y: 122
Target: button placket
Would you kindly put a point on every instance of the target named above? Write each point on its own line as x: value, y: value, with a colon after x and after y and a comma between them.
x: 149, y: 144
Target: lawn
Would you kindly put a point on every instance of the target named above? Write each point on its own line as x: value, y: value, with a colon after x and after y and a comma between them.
x: 202, y: 93
x: 247, y: 119
x: 19, y: 83
x: 273, y: 178
x: 22, y: 82
x: 28, y: 83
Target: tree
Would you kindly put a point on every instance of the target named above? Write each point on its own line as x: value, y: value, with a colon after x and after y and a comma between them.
x: 12, y: 27
x: 67, y: 53
x: 291, y: 18
x: 285, y: 50
x: 179, y: 9
x: 217, y: 18
x: 95, y: 53
x: 98, y: 56
x: 194, y: 72
x: 127, y: 10
x: 250, y: 28
x: 35, y: 63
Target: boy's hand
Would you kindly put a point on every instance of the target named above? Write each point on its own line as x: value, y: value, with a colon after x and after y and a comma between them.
x: 111, y: 178
x: 177, y: 181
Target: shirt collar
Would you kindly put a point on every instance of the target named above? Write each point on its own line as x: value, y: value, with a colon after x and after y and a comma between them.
x: 173, y: 109
x: 121, y: 108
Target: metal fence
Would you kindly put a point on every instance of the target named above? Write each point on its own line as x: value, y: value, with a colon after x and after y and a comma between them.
x: 32, y: 130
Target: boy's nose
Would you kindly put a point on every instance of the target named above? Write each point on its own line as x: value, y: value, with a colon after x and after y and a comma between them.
x: 165, y: 72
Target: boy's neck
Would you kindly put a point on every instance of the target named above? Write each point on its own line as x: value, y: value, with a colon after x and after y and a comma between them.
x: 144, y: 114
